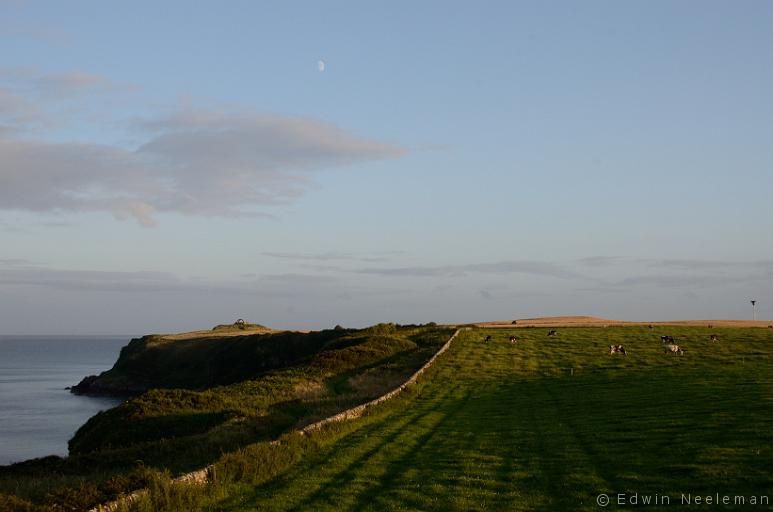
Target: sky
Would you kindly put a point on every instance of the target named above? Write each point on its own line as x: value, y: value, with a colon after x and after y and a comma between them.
x: 169, y: 166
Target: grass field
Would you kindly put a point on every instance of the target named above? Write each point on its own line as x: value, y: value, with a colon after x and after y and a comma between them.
x: 549, y: 424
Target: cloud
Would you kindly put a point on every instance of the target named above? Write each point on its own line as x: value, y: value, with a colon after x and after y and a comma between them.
x: 71, y: 280
x: 47, y: 34
x: 328, y: 256
x: 695, y: 264
x: 206, y: 140
x: 16, y: 113
x: 14, y: 261
x: 599, y: 261
x: 195, y: 162
x: 21, y: 273
x: 695, y: 280
x: 290, y: 286
x: 72, y: 83
x: 504, y: 267
x: 59, y: 85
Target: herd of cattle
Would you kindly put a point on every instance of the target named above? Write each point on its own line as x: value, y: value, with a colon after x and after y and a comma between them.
x: 669, y: 344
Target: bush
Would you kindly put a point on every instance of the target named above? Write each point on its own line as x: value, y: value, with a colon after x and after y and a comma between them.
x: 382, y: 329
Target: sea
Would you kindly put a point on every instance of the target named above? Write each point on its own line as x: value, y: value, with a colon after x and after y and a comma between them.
x: 37, y: 414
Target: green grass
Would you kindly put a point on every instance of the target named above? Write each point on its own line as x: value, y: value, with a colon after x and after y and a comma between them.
x: 296, y: 379
x: 547, y: 424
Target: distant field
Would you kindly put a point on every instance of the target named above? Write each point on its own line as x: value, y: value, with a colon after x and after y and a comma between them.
x: 548, y: 424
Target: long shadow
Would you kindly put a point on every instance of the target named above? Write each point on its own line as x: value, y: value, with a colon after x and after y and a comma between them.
x: 396, y: 467
x: 337, y: 479
x: 345, y: 476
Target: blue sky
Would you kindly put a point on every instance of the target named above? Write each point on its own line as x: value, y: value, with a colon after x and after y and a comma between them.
x: 170, y: 166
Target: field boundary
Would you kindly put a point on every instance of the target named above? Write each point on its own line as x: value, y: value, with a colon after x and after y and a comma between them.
x: 201, y: 476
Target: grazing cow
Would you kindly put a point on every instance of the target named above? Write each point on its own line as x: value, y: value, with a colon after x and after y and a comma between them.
x: 650, y: 327
x: 552, y: 333
x: 770, y: 327
x: 711, y: 326
x: 669, y: 347
x: 513, y: 339
x: 514, y: 322
x: 487, y: 339
x: 714, y: 338
x: 617, y: 349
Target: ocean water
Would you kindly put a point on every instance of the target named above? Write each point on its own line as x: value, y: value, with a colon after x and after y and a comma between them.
x: 37, y: 414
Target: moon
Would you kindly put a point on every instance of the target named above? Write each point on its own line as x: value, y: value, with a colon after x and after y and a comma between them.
x: 321, y: 65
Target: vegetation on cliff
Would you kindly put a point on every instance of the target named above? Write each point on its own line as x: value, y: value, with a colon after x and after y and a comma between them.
x: 212, y: 395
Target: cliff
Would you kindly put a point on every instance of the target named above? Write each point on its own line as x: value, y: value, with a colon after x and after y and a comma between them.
x: 199, y: 361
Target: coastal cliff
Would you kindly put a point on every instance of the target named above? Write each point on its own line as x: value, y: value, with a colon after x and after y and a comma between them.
x: 201, y: 361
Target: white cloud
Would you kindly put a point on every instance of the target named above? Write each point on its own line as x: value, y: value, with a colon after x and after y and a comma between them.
x: 197, y: 162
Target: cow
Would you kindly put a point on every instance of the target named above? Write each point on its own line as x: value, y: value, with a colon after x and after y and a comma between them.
x: 669, y: 347
x: 617, y: 349
x: 513, y: 339
x: 552, y: 333
x: 673, y: 349
x: 714, y: 338
x: 487, y: 339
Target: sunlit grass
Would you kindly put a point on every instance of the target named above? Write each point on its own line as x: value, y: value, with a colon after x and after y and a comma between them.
x: 546, y: 424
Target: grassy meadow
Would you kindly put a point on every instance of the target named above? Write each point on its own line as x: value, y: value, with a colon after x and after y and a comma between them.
x: 546, y: 424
